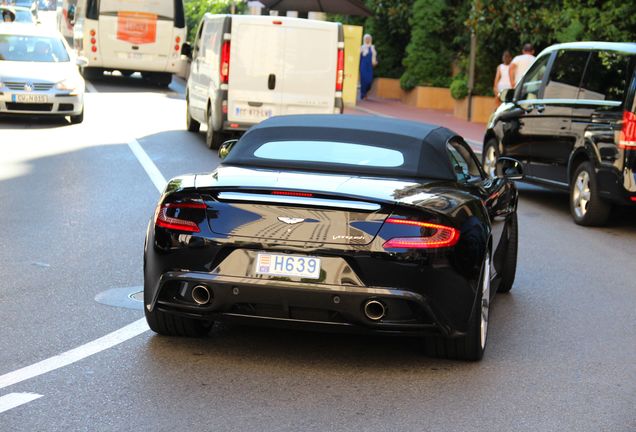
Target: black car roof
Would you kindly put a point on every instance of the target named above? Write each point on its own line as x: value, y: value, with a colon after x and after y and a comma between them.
x: 422, y: 144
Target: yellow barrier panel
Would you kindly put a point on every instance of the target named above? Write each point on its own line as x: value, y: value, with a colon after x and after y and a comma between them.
x: 353, y: 40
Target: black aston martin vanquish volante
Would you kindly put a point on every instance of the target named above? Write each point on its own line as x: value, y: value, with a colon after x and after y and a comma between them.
x: 337, y: 222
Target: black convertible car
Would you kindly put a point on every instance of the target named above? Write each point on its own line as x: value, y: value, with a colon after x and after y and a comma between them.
x: 337, y: 222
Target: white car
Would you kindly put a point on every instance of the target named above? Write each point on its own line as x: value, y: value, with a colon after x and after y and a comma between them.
x: 39, y: 74
x: 247, y: 68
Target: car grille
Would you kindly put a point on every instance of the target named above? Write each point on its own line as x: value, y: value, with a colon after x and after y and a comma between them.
x: 13, y: 106
x: 19, y: 85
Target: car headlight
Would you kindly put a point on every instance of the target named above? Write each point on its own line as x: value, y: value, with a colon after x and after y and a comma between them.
x: 70, y: 84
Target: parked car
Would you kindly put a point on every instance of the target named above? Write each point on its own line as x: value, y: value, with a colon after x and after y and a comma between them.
x: 38, y: 73
x: 20, y: 14
x: 247, y: 68
x: 572, y: 122
x: 337, y: 222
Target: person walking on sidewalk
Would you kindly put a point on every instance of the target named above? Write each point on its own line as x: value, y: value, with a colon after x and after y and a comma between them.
x: 368, y: 60
x: 502, y: 77
x: 521, y: 63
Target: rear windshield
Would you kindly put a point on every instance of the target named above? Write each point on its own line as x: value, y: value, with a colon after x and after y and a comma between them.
x: 32, y: 48
x: 330, y: 152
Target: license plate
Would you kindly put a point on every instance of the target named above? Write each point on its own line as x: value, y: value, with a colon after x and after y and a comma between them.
x: 29, y: 98
x: 288, y: 265
x: 135, y: 56
x: 252, y: 112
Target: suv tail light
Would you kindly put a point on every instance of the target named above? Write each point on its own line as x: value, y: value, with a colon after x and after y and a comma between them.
x: 431, y: 236
x: 340, y: 70
x: 179, y: 216
x: 627, y: 137
x: 225, y: 62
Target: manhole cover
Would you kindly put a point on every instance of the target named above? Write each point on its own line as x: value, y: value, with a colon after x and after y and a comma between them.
x: 129, y: 297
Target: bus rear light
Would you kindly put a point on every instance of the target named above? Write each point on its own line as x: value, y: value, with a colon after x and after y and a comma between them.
x: 277, y: 22
x: 627, y: 137
x: 177, y: 47
x: 234, y: 125
x: 340, y: 70
x: 177, y: 39
x: 94, y: 48
x: 93, y: 41
x: 437, y: 236
x: 93, y: 32
x: 225, y: 62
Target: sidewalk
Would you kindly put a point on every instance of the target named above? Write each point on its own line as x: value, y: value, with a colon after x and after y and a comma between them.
x: 473, y: 133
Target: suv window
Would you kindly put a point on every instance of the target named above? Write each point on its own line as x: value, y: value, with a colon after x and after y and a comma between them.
x: 566, y: 74
x: 531, y: 83
x: 607, y: 76
x: 463, y: 161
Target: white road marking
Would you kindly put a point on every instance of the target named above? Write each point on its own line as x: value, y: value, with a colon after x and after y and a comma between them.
x: 13, y: 400
x: 76, y: 354
x: 90, y: 87
x: 148, y: 165
x: 473, y: 143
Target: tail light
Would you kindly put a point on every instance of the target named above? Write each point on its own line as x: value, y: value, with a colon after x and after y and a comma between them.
x: 431, y: 236
x: 340, y: 70
x: 179, y: 216
x: 290, y: 193
x: 627, y: 137
x: 225, y: 62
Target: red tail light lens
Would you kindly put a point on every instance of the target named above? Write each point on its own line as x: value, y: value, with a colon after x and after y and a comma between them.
x: 340, y: 70
x: 440, y: 236
x: 175, y: 221
x: 296, y: 194
x: 225, y: 62
x: 627, y: 138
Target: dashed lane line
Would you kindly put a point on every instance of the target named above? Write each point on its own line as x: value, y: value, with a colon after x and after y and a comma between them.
x: 13, y: 400
x: 148, y: 165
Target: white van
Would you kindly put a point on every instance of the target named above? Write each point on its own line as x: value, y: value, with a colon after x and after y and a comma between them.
x: 246, y: 68
x: 127, y: 35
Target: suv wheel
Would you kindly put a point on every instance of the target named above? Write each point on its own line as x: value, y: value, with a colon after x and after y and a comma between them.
x: 586, y: 205
x: 489, y: 157
x: 212, y: 138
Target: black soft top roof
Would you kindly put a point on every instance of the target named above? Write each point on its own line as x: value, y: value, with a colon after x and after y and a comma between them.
x: 423, y: 145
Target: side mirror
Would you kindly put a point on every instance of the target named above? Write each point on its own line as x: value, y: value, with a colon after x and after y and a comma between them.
x: 226, y: 147
x: 506, y: 95
x: 509, y: 168
x: 81, y: 61
x: 186, y: 50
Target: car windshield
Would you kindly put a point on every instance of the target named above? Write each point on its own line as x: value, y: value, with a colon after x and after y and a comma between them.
x: 32, y: 49
x: 330, y: 152
x: 21, y: 15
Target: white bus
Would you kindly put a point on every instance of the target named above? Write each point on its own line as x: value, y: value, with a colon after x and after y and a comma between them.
x: 127, y: 35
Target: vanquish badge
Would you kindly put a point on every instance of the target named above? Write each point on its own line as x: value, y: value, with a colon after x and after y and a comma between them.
x: 290, y: 220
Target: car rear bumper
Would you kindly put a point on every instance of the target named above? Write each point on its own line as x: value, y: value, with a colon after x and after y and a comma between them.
x: 285, y: 303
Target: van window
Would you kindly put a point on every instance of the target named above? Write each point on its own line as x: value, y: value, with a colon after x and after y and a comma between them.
x: 531, y: 82
x: 566, y: 75
x: 607, y: 76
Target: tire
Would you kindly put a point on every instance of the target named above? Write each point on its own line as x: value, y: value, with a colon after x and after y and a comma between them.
x: 510, y: 258
x: 470, y: 347
x: 77, y: 119
x: 489, y: 156
x: 191, y: 124
x: 161, y: 79
x: 586, y: 205
x: 173, y: 325
x: 213, y: 139
x: 91, y: 73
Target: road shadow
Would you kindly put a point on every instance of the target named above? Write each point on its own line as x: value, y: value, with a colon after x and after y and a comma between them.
x: 622, y: 217
x: 117, y: 83
x: 33, y: 122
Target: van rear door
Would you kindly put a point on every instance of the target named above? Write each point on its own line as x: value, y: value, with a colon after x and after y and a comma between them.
x: 256, y: 68
x: 309, y: 76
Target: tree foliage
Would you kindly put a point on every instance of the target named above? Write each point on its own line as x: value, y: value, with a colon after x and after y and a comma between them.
x: 195, y: 9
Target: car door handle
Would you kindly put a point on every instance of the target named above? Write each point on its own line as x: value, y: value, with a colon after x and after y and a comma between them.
x: 271, y: 82
x: 255, y: 104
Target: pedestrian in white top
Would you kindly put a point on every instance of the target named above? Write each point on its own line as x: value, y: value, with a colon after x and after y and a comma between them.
x: 502, y: 77
x: 521, y: 63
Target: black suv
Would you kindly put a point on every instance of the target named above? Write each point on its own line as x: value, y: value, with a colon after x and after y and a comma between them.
x: 572, y: 122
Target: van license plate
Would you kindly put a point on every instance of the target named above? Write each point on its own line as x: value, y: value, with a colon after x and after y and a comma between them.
x: 29, y: 98
x: 288, y: 265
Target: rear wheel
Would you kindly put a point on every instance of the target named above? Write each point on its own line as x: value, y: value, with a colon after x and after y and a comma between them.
x: 191, y: 124
x: 471, y: 346
x: 213, y: 139
x: 489, y: 157
x: 91, y: 73
x: 586, y: 205
x: 510, y: 259
x: 173, y: 325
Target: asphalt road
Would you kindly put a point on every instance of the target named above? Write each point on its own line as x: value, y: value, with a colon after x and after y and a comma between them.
x: 75, y: 202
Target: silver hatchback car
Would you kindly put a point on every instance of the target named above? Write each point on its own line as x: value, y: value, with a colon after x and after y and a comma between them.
x: 39, y: 74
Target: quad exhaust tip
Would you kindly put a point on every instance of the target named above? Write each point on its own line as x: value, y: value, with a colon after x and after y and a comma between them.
x: 201, y: 295
x: 374, y: 310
